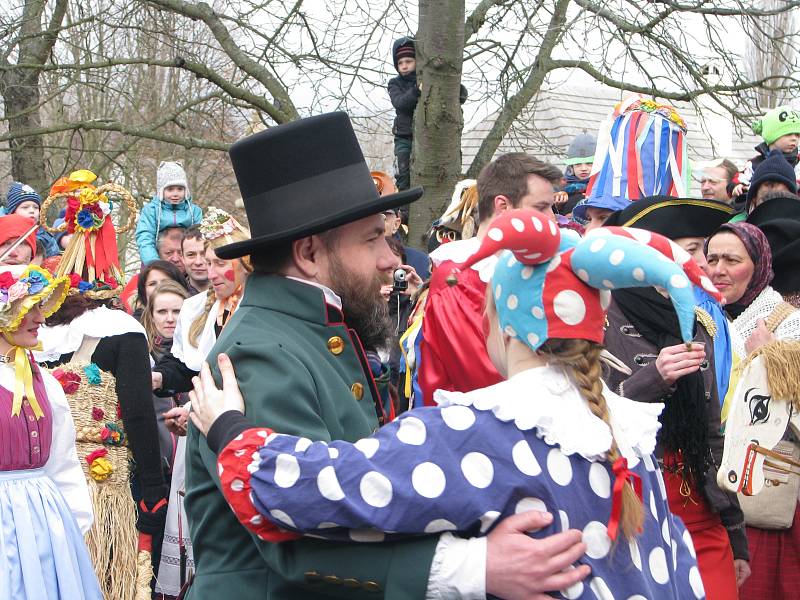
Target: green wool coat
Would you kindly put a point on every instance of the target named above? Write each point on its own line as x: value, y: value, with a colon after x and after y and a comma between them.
x: 300, y: 372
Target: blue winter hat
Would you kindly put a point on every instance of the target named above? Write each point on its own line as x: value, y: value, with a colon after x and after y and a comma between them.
x: 774, y: 168
x: 18, y: 193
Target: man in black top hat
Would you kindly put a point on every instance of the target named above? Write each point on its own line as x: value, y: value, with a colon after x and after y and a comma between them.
x: 319, y: 257
x: 779, y: 218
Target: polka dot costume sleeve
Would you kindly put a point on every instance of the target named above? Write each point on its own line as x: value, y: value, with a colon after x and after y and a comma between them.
x: 426, y: 472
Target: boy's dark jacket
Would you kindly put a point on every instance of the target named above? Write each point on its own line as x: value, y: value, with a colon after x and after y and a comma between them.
x: 403, y: 92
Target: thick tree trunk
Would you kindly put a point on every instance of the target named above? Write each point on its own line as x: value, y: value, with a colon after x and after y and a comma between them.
x: 21, y: 105
x: 438, y: 121
x: 21, y: 94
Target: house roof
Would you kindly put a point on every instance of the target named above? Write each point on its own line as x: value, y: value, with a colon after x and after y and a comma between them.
x: 555, y: 116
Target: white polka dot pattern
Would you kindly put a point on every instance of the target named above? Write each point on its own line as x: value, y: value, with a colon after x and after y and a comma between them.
x: 559, y: 467
x: 477, y: 469
x: 428, y: 480
x: 595, y: 536
x: 287, y: 470
x: 411, y: 431
x: 376, y: 489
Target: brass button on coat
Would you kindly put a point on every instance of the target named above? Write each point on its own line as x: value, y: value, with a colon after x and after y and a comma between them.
x: 332, y: 579
x: 371, y: 586
x: 313, y: 577
x: 336, y: 345
x: 352, y: 583
x: 358, y: 390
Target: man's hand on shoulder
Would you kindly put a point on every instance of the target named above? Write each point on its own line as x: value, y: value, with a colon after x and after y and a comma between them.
x: 519, y: 566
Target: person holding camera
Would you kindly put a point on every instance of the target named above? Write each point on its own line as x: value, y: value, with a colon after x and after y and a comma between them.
x: 385, y: 362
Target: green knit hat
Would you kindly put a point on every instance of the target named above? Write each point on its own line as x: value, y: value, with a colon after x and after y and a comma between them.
x: 776, y: 123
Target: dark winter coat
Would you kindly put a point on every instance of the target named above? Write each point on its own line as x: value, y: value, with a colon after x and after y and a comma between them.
x: 646, y: 385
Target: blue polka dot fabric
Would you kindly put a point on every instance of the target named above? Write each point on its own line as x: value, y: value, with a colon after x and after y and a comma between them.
x: 464, y: 468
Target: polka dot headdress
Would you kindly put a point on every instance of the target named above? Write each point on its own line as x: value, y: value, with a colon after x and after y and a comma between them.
x: 550, y: 283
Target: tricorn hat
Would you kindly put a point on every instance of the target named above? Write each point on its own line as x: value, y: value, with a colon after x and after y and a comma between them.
x: 674, y: 217
x: 303, y: 178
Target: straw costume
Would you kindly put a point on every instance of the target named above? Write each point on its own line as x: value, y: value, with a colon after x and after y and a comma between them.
x: 102, y: 356
x: 531, y: 442
x: 641, y: 151
x: 44, y: 502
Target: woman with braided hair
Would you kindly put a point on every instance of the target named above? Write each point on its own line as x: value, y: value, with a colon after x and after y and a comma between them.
x: 550, y: 437
x: 200, y: 321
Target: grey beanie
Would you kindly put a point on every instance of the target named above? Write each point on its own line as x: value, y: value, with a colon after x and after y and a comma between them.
x: 581, y: 150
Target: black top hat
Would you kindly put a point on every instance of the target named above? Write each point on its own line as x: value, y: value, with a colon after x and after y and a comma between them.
x: 674, y: 217
x: 782, y: 207
x: 303, y: 178
x: 779, y: 219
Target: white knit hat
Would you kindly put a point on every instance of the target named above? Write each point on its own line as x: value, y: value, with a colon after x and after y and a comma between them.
x: 171, y: 173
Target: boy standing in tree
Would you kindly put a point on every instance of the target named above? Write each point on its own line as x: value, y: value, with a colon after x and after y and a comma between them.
x: 404, y: 92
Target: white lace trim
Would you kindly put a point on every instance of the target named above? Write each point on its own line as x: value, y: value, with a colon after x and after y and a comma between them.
x: 545, y: 399
x: 99, y: 322
x: 761, y: 308
x: 459, y: 251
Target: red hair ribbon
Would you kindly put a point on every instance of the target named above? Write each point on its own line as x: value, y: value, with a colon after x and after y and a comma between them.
x: 622, y: 475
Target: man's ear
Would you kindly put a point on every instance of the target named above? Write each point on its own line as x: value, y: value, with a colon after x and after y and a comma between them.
x: 501, y: 204
x: 307, y: 256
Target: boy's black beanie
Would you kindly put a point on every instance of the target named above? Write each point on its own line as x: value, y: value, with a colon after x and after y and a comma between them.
x: 403, y: 48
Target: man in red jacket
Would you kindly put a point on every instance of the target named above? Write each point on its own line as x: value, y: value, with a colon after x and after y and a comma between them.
x: 453, y: 352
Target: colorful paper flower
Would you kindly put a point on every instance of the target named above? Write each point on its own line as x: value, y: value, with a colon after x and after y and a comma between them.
x: 85, y: 286
x: 74, y: 280
x: 112, y: 435
x: 95, y: 454
x: 69, y: 381
x: 85, y: 219
x: 17, y: 291
x: 92, y: 373
x: 36, y: 282
x: 101, y: 469
x: 6, y: 280
x: 98, y: 413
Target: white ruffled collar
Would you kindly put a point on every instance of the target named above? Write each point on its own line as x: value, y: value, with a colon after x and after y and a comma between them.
x: 99, y: 322
x: 545, y: 399
x: 459, y: 251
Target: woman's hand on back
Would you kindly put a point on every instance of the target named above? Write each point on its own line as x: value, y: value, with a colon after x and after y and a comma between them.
x: 208, y: 401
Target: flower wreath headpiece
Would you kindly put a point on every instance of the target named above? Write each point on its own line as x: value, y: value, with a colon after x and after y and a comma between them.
x: 21, y: 288
x: 217, y: 223
x: 91, y: 258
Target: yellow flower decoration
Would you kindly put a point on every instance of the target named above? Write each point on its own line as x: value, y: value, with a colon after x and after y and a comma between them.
x: 101, y: 469
x: 82, y: 176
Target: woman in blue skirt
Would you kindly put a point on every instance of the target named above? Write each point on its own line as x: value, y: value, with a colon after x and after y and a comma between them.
x: 44, y: 502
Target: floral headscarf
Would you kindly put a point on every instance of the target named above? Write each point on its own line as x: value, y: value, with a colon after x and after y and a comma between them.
x: 757, y: 246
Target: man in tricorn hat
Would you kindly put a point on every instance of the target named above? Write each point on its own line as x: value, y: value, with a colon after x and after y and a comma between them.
x: 319, y: 257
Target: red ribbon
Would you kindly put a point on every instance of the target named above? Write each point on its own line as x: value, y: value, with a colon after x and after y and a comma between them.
x: 622, y: 476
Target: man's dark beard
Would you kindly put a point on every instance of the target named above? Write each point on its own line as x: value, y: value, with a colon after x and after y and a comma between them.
x: 366, y: 313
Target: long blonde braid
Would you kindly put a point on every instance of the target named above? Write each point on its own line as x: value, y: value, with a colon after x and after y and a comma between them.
x: 199, y: 323
x: 582, y: 359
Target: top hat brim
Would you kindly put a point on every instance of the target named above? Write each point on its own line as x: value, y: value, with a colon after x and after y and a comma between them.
x: 312, y: 226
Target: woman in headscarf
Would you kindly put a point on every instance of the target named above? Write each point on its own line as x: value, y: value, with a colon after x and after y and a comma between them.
x: 740, y: 265
x: 643, y: 332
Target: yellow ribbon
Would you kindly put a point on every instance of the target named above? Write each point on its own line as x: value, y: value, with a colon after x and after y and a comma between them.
x: 23, y: 385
